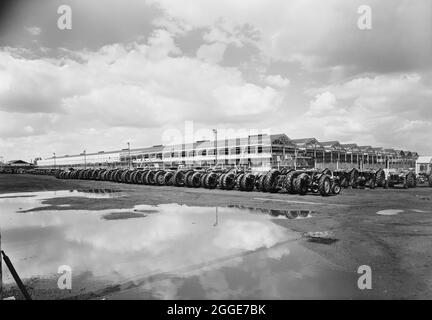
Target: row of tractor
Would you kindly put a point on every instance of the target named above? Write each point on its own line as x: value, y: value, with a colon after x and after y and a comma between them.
x: 285, y: 180
x: 324, y: 182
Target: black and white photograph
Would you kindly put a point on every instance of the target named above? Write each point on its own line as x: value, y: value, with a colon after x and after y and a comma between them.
x: 200, y: 150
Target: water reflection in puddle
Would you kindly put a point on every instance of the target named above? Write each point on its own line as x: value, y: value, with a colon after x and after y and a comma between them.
x: 176, y: 251
x: 389, y: 212
x: 277, y: 213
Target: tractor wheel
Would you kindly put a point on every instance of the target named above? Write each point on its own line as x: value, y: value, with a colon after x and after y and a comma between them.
x: 221, y: 178
x: 110, y: 175
x: 301, y: 184
x: 405, y: 182
x: 179, y: 178
x: 336, y: 188
x: 270, y: 181
x: 411, y: 181
x: 247, y: 182
x: 196, y: 179
x: 289, y: 181
x: 211, y: 180
x: 104, y: 176
x: 81, y: 174
x: 123, y: 176
x: 141, y: 176
x: 137, y: 177
x: 128, y: 176
x: 345, y: 182
x: 203, y: 180
x: 150, y: 177
x: 160, y: 178
x: 259, y: 183
x: 188, y: 179
x: 168, y: 178
x: 353, y: 180
x: 228, y: 181
x: 133, y: 176
x: 324, y: 185
x: 380, y: 178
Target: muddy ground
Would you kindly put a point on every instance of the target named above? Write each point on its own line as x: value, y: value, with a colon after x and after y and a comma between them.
x: 398, y: 247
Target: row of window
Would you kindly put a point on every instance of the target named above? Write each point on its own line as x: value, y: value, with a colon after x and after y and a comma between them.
x: 204, y: 152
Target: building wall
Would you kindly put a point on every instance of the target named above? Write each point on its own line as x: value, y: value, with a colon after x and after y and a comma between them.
x: 254, y: 152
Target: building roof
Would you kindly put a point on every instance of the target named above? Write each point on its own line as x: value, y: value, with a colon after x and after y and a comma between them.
x: 307, y: 142
x: 18, y: 162
x: 424, y: 159
x: 281, y: 139
x: 332, y: 145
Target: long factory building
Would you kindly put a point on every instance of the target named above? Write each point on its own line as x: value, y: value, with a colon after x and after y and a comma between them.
x: 257, y: 152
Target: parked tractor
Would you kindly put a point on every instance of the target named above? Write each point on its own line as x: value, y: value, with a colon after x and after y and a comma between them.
x: 404, y: 178
x: 424, y: 178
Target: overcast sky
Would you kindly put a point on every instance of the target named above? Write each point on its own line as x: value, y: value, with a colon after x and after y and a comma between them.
x: 137, y: 70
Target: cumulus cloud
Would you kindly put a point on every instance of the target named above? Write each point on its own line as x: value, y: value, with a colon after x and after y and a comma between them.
x: 35, y: 31
x: 324, y: 33
x: 389, y: 110
x: 219, y: 64
x: 212, y: 52
x: 139, y: 84
x: 277, y: 80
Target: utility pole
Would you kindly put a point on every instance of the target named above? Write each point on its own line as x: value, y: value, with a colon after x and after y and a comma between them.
x: 129, y: 157
x: 55, y: 166
x: 85, y: 160
x: 315, y: 155
x: 216, y: 152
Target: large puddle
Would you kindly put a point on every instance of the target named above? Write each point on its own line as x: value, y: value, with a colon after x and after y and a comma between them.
x: 167, y: 251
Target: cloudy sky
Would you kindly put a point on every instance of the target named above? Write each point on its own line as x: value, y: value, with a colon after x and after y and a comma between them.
x: 137, y: 70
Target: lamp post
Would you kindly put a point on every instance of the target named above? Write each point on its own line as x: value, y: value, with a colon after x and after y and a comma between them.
x: 129, y: 157
x: 315, y: 155
x: 55, y: 166
x: 85, y: 160
x: 216, y: 152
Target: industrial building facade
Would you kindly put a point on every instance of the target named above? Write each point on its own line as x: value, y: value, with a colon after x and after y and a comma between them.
x: 257, y: 152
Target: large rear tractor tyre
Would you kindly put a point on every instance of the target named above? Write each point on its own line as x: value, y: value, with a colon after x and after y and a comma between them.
x: 301, y: 184
x: 228, y: 181
x: 188, y: 179
x: 380, y: 178
x: 289, y: 181
x: 179, y: 178
x: 411, y: 180
x: 203, y: 180
x: 353, y: 178
x: 137, y: 177
x: 168, y: 178
x: 211, y: 180
x: 160, y: 178
x: 259, y: 182
x: 196, y: 179
x: 270, y: 181
x: 150, y: 177
x: 247, y: 182
x: 324, y: 185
